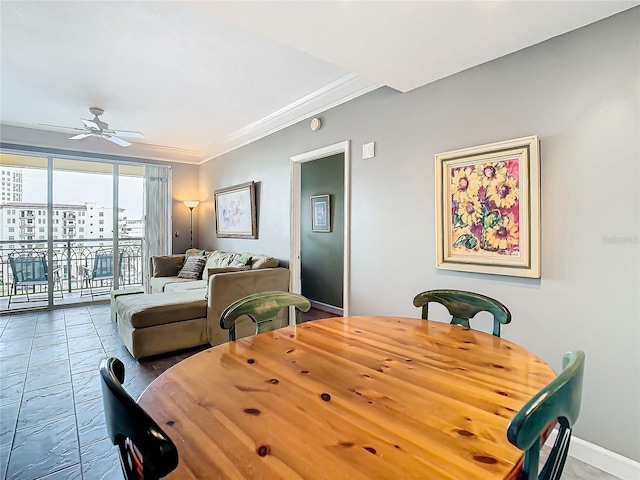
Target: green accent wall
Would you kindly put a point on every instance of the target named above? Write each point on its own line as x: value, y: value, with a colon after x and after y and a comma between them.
x: 322, y: 254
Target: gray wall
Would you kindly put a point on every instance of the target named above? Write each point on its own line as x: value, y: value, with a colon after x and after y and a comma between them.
x: 184, y: 186
x: 579, y: 93
x: 322, y: 253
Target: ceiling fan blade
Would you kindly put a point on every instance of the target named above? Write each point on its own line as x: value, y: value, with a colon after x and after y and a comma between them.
x: 82, y: 135
x: 90, y: 124
x: 116, y: 140
x: 125, y: 133
x: 62, y: 126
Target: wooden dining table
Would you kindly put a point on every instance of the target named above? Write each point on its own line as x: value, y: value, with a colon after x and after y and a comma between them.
x: 362, y: 397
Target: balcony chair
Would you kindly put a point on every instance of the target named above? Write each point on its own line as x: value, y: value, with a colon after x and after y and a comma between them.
x: 464, y: 305
x: 29, y: 270
x: 102, y: 270
x: 262, y: 308
x: 558, y: 402
x: 146, y: 452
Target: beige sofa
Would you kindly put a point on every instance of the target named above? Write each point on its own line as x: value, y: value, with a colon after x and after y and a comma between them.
x: 181, y: 313
x: 163, y: 270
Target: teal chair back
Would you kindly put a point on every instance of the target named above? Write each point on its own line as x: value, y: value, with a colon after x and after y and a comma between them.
x: 30, y: 269
x: 558, y: 402
x: 463, y: 305
x: 262, y: 308
x: 103, y: 265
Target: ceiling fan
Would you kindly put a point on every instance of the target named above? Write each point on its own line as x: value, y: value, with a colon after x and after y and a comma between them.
x: 98, y: 128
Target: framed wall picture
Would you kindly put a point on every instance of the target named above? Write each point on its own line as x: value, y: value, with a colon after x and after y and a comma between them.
x: 236, y: 211
x: 488, y: 208
x: 321, y: 213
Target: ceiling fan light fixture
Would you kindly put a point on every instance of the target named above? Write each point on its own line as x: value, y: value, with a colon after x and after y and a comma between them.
x: 98, y: 128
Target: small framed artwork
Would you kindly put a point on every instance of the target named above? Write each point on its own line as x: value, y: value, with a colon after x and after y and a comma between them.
x: 236, y: 211
x: 488, y: 208
x: 321, y: 213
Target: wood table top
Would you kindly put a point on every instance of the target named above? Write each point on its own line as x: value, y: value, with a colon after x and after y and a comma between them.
x: 357, y: 397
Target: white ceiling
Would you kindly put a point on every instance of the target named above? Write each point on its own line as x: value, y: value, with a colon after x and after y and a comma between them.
x: 201, y: 78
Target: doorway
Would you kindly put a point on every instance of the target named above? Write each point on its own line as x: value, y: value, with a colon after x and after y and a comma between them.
x: 301, y: 229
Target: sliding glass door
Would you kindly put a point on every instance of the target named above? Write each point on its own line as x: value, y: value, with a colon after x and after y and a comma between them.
x: 81, y: 224
x: 24, y: 279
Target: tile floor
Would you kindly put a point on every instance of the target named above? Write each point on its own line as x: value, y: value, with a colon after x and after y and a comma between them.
x: 51, y: 422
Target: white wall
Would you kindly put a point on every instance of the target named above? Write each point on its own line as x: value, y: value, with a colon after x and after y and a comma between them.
x: 580, y: 94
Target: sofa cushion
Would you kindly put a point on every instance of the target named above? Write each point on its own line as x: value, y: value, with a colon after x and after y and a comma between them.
x: 193, y: 267
x: 214, y: 270
x: 167, y: 266
x: 193, y: 251
x: 187, y: 286
x: 157, y: 284
x: 220, y: 259
x: 261, y: 261
x: 161, y: 308
x: 161, y: 284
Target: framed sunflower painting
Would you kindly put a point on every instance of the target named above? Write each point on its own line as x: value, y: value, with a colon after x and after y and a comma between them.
x: 488, y: 208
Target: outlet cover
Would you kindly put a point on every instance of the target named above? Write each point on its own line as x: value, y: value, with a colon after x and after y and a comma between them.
x: 368, y: 150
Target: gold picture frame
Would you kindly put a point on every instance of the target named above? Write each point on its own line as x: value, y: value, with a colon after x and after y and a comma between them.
x: 236, y: 211
x: 488, y: 208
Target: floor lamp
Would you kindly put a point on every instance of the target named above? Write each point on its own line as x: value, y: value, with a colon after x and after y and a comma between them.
x: 191, y: 204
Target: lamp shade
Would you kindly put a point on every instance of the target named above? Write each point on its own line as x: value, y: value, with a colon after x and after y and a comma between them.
x: 191, y: 203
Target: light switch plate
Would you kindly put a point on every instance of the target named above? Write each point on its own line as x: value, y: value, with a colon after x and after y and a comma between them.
x: 368, y: 150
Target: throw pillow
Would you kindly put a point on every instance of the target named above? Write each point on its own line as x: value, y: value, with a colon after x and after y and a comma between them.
x: 167, y: 265
x: 193, y: 267
x: 244, y: 259
x: 221, y: 259
x: 193, y: 251
x: 240, y: 261
x: 262, y: 261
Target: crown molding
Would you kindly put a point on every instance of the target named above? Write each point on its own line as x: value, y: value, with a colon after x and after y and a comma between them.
x: 338, y: 92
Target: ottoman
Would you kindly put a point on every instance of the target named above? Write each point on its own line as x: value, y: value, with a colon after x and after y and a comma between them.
x: 116, y: 293
x: 156, y: 323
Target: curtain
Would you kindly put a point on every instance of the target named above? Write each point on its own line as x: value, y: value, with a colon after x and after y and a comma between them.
x: 158, y: 201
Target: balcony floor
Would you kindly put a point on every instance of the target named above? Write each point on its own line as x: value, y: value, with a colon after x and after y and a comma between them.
x: 38, y: 301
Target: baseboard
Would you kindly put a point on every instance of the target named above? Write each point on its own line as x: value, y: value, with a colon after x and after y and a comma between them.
x: 326, y: 308
x: 605, y: 460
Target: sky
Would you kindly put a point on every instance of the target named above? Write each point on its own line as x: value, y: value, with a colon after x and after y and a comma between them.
x: 81, y: 187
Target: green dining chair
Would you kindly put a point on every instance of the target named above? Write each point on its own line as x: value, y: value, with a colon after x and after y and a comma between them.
x: 146, y: 452
x: 262, y: 308
x: 463, y: 306
x: 558, y: 402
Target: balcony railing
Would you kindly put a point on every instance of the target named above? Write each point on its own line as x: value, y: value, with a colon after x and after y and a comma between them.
x: 69, y: 258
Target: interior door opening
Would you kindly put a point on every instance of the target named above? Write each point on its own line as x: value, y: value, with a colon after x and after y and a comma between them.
x: 320, y: 254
